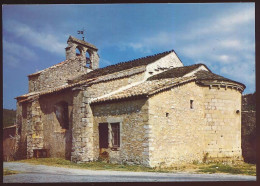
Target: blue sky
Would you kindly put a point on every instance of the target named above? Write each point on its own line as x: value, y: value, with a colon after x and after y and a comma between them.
x: 220, y: 35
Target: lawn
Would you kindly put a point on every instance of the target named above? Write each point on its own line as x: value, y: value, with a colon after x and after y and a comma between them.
x: 230, y: 168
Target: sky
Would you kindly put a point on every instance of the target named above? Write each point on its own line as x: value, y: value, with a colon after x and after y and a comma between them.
x: 219, y: 35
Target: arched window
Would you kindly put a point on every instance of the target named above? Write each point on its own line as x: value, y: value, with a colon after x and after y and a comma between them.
x: 88, y: 62
x: 62, y: 114
x: 78, y: 51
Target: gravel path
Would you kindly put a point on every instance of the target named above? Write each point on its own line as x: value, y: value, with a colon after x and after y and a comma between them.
x: 49, y: 174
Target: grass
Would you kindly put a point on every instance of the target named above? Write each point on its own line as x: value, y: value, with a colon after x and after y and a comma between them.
x: 195, y: 167
x: 9, y: 172
x: 241, y: 168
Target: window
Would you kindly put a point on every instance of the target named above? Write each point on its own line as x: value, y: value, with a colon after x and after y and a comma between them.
x: 191, y: 104
x: 88, y: 61
x: 109, y: 135
x: 115, y: 130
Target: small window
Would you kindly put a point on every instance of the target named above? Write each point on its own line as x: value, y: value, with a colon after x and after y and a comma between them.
x: 115, y: 134
x: 191, y: 104
x: 167, y: 114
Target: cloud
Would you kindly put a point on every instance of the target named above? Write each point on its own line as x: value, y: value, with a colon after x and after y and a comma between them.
x: 225, y: 23
x: 225, y: 42
x: 14, y: 53
x: 41, y: 39
x: 145, y: 45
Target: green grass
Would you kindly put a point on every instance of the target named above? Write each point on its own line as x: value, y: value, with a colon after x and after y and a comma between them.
x: 97, y: 165
x: 9, y: 172
x: 239, y: 168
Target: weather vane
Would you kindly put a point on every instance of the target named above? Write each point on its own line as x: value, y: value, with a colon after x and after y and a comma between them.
x: 82, y: 32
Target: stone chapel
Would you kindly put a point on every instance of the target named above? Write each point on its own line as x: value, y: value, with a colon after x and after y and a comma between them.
x: 151, y: 111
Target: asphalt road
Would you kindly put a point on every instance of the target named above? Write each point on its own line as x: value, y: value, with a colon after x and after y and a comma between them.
x: 49, y: 174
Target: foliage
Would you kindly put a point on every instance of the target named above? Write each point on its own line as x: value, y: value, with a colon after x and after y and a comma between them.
x: 8, y: 117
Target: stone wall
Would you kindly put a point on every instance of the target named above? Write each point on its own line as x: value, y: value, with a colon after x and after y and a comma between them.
x: 223, y: 122
x: 176, y: 131
x: 82, y: 130
x: 56, y: 75
x: 133, y: 118
x: 39, y: 128
x: 56, y: 138
x: 211, y: 130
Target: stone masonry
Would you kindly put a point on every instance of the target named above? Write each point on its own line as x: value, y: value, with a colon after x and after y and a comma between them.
x: 152, y: 111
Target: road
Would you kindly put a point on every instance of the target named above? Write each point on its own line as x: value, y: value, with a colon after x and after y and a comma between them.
x: 49, y: 174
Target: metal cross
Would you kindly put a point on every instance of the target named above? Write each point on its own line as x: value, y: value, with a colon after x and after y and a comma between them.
x: 82, y: 32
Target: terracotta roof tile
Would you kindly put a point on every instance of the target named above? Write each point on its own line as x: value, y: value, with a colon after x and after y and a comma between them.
x: 121, y: 66
x: 145, y: 89
x: 176, y: 72
x: 29, y: 96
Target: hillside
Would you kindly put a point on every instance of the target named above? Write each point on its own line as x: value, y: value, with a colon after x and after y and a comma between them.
x: 8, y: 117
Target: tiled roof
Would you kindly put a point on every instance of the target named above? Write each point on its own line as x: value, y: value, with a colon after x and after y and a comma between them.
x: 200, y: 75
x: 122, y: 66
x: 145, y: 89
x: 176, y: 72
x: 32, y: 95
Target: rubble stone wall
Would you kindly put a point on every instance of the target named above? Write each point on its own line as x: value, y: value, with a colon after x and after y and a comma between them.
x: 133, y: 118
x: 55, y: 137
x: 57, y: 75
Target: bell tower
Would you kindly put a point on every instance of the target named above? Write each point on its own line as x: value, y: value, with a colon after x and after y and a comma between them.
x: 88, y: 52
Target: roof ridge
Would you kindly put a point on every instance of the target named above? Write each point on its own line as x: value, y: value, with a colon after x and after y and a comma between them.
x: 169, y: 51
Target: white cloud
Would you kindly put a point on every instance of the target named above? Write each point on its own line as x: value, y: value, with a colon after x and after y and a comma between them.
x: 147, y: 44
x: 235, y: 44
x: 14, y: 53
x: 225, y: 23
x: 40, y: 39
x: 18, y: 50
x: 225, y: 42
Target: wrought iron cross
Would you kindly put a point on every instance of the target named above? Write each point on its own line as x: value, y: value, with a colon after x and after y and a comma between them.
x: 82, y: 32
